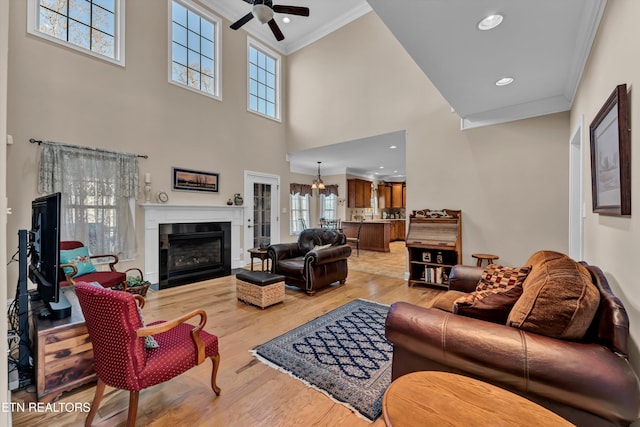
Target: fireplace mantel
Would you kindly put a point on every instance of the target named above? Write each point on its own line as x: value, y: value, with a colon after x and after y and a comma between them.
x: 156, y: 213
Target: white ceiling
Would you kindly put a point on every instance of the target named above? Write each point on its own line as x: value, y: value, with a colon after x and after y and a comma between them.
x: 542, y: 44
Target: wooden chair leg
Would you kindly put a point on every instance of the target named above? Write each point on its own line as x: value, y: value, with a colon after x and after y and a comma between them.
x: 97, y: 398
x: 214, y: 373
x: 133, y: 408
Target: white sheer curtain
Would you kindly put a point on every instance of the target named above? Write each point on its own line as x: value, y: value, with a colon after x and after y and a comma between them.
x: 96, y: 188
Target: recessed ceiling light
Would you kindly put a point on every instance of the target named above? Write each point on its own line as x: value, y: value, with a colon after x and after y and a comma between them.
x: 395, y: 171
x: 490, y: 22
x: 381, y: 167
x: 393, y: 147
x: 504, y: 81
x: 286, y: 19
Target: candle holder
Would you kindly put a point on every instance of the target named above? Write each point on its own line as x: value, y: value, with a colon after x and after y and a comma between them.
x: 147, y: 192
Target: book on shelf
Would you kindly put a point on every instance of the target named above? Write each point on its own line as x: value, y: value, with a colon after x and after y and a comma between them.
x: 433, y: 274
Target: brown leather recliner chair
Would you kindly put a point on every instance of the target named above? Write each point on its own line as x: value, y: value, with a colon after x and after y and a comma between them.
x: 308, y: 267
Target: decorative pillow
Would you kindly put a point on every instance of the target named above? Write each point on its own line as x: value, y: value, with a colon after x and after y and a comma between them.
x: 497, y: 291
x: 559, y: 299
x: 78, y: 257
x: 320, y: 247
x: 445, y: 300
x: 149, y: 341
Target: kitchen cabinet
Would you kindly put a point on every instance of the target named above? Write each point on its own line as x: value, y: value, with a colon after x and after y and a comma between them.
x: 394, y: 195
x: 358, y: 193
x: 397, y: 229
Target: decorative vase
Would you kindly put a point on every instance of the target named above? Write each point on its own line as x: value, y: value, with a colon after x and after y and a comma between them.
x: 229, y: 202
x: 237, y: 199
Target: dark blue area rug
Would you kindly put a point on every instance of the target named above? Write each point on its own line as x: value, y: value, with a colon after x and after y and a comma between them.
x: 342, y: 353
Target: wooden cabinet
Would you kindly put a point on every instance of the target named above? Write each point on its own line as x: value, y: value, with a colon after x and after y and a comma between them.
x: 394, y: 195
x: 397, y: 229
x: 358, y: 193
x: 62, y: 350
x: 434, y: 242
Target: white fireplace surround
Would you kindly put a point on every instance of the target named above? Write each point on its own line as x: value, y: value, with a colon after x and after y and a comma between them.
x: 156, y: 214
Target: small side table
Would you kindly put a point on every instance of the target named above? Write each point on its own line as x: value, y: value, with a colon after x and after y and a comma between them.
x: 432, y: 398
x: 490, y: 258
x: 259, y: 253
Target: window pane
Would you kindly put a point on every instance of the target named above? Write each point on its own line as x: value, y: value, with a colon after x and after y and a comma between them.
x: 59, y: 6
x: 79, y: 34
x: 271, y: 95
x: 207, y: 65
x: 253, y: 72
x: 103, y: 20
x: 103, y: 43
x: 206, y: 48
x: 271, y: 110
x: 194, y: 79
x: 207, y: 84
x: 253, y: 87
x: 253, y: 56
x: 262, y: 106
x: 261, y: 75
x: 253, y: 103
x: 194, y: 41
x: 193, y: 21
x: 207, y: 30
x: 271, y: 80
x: 271, y: 65
x: 179, y: 14
x: 80, y: 10
x: 179, y: 34
x: 106, y: 4
x: 53, y: 24
x: 193, y: 60
x: 179, y: 54
x: 179, y: 73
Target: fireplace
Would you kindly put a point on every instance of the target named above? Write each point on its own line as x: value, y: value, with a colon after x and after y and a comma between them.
x: 191, y: 252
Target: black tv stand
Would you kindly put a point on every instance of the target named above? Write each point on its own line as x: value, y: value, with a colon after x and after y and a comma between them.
x: 56, y: 310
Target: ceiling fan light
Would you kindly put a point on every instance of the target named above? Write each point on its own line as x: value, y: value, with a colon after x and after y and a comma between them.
x: 262, y: 13
x: 490, y: 22
x: 504, y: 81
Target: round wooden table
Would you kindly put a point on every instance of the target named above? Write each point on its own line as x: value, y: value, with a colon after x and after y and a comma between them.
x: 259, y: 253
x: 432, y: 398
x: 490, y: 258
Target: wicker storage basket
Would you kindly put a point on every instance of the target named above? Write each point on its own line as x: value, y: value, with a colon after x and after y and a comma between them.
x: 262, y: 296
x: 139, y: 290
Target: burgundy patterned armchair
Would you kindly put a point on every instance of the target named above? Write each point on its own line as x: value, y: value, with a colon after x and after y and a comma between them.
x: 120, y: 357
x: 107, y: 279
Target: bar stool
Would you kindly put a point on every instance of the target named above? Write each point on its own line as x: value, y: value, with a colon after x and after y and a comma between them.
x: 484, y: 257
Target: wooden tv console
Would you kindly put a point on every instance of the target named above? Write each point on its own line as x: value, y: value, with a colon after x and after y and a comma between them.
x: 62, y: 351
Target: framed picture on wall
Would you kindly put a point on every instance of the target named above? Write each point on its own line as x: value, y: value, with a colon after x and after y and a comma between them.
x: 190, y: 180
x: 610, y: 156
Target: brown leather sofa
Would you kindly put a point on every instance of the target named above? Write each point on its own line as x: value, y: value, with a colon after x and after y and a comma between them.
x: 589, y: 382
x: 307, y: 266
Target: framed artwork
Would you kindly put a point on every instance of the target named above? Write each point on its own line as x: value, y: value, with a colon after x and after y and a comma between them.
x: 610, y: 156
x: 190, y: 180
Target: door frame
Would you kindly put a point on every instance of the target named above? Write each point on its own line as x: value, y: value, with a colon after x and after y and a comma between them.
x: 250, y: 178
x: 576, y: 193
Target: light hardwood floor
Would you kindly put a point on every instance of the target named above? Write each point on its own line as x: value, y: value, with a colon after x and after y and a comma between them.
x: 253, y: 394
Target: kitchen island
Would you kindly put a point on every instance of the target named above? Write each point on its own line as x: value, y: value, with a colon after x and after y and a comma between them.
x: 375, y: 234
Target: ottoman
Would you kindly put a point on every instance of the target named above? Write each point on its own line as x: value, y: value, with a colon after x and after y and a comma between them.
x: 260, y: 288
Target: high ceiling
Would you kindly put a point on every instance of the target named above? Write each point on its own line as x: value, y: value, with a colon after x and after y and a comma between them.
x: 542, y: 44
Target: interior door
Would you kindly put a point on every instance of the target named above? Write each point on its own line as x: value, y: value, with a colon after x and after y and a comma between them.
x: 262, y: 205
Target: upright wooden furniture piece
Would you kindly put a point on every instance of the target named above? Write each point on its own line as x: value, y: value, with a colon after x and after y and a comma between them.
x: 63, y: 351
x: 434, y: 242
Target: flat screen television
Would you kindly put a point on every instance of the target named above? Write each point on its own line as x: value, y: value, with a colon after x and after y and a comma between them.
x: 44, y: 255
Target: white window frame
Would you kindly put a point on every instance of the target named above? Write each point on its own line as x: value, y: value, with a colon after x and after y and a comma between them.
x: 217, y: 51
x: 306, y: 215
x: 33, y: 20
x: 252, y: 43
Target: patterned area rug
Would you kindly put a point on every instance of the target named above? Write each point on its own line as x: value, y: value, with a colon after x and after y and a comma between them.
x: 342, y: 353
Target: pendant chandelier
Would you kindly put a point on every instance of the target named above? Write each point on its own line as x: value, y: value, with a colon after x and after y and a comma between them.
x: 317, y: 183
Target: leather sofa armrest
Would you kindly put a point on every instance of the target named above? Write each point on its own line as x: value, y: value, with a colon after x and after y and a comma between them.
x: 464, y: 278
x: 283, y: 251
x: 585, y: 376
x: 327, y: 255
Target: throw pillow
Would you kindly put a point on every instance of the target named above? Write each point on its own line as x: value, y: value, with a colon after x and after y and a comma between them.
x: 497, y: 291
x: 149, y: 341
x: 78, y: 257
x: 559, y: 299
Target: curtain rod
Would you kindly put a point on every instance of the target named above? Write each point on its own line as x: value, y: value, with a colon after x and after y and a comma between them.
x: 35, y: 141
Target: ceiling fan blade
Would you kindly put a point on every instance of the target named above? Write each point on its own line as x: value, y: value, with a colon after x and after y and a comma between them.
x: 276, y: 30
x: 249, y: 1
x: 292, y: 10
x: 240, y: 22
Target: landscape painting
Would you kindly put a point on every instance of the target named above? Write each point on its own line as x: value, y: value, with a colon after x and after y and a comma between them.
x: 185, y: 179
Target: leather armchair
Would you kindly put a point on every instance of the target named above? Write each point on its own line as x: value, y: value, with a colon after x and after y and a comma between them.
x: 590, y: 382
x: 307, y: 267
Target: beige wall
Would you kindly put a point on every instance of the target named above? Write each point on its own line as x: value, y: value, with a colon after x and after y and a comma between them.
x: 62, y: 95
x: 511, y: 180
x: 613, y: 243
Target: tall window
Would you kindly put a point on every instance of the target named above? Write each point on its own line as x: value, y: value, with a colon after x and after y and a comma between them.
x: 95, y: 27
x: 195, y: 48
x: 329, y: 206
x: 264, y: 81
x: 300, y: 218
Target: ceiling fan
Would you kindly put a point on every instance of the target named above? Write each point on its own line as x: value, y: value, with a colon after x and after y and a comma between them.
x: 263, y: 10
